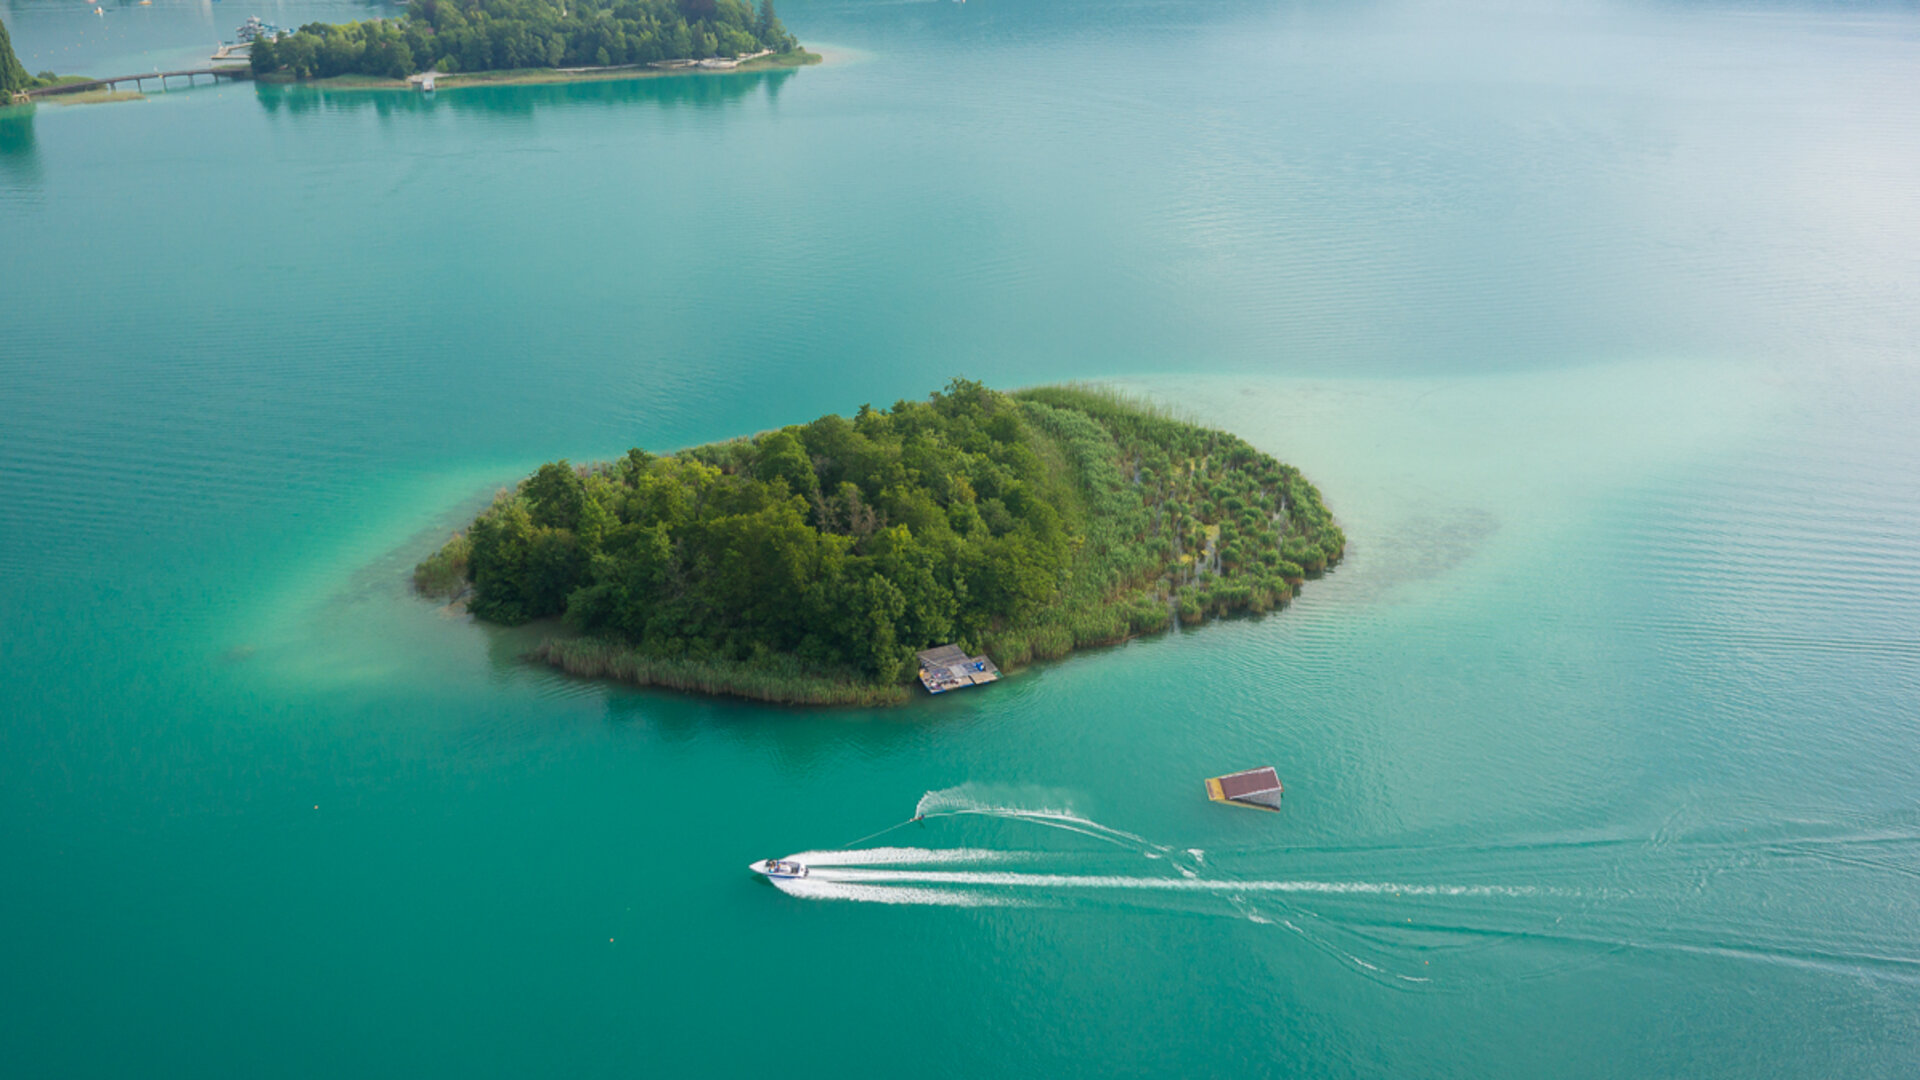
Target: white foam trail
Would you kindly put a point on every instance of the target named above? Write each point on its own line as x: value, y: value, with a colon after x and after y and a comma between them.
x: 813, y: 888
x: 1062, y: 819
x: 957, y: 800
x: 884, y: 856
x: 1073, y: 881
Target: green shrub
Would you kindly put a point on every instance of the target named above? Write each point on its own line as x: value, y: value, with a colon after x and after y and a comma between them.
x: 444, y: 573
x: 1050, y: 642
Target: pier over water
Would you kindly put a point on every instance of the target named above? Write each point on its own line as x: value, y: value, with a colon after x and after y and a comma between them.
x: 139, y: 81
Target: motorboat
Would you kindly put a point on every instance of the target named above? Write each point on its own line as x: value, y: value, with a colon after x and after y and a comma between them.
x: 779, y: 868
x: 254, y: 29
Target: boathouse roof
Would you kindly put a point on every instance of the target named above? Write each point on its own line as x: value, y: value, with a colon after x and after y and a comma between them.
x: 1254, y: 787
x: 948, y: 667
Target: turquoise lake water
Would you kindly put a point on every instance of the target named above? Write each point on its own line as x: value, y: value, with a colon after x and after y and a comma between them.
x: 1598, y: 324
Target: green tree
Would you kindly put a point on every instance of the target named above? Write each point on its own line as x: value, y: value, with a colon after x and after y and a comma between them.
x: 555, y: 495
x: 766, y: 27
x: 554, y: 568
x: 13, y: 75
x: 481, y: 35
x: 264, y: 56
x: 498, y: 545
x: 782, y: 456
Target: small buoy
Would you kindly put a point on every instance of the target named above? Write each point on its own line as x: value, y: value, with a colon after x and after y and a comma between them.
x: 316, y: 806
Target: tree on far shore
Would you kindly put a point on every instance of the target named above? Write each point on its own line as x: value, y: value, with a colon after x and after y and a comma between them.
x: 498, y: 35
x: 13, y: 75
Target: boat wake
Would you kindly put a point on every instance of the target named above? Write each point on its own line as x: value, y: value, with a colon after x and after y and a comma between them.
x: 1180, y: 884
x: 960, y: 801
x: 814, y: 887
x: 1124, y: 869
x: 837, y: 875
x: 905, y: 856
x: 1537, y: 905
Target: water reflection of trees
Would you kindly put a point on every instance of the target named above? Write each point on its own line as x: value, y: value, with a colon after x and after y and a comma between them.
x: 677, y: 91
x: 19, y: 157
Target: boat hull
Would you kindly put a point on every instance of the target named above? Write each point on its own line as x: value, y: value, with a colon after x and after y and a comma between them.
x: 771, y: 869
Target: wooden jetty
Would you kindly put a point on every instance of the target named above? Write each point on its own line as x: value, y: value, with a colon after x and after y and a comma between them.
x: 1256, y: 788
x: 950, y: 668
x: 139, y: 81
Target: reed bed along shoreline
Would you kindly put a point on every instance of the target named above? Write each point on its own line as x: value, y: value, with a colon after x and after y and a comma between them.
x: 780, y: 680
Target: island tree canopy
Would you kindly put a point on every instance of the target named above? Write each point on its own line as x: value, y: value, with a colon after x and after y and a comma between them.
x: 1024, y: 524
x: 13, y: 76
x: 495, y: 35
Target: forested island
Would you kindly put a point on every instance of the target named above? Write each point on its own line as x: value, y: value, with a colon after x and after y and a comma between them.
x: 469, y: 36
x: 808, y: 564
x: 14, y: 80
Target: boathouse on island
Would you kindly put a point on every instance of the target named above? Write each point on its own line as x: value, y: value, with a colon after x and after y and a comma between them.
x: 1258, y: 788
x: 950, y: 668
